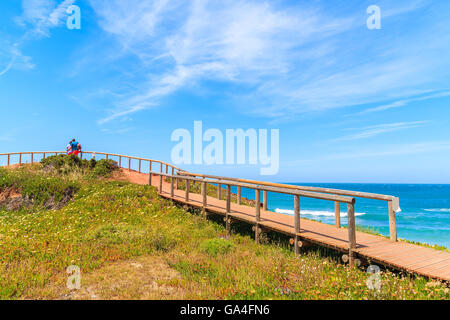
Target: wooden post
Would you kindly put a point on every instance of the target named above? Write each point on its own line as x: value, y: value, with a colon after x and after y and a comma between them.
x: 150, y: 178
x: 297, y: 222
x: 167, y: 169
x: 219, y: 191
x: 150, y: 165
x: 257, y: 214
x: 32, y: 160
x: 392, y: 221
x: 20, y: 158
x: 160, y: 183
x: 187, y: 190
x: 161, y: 168
x: 265, y: 200
x: 80, y: 154
x: 228, y: 199
x: 8, y: 159
x: 239, y: 198
x: 351, y: 232
x: 204, y: 198
x: 139, y: 165
x: 337, y: 214
x: 171, y: 187
x: 107, y: 157
x: 120, y: 161
x: 129, y: 164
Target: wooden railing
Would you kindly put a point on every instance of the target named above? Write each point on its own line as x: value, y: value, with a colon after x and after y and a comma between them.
x: 258, y: 188
x: 31, y: 156
x: 175, y: 174
x: 393, y: 202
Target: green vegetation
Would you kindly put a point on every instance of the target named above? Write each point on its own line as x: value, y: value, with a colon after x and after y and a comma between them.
x: 37, y: 187
x: 69, y: 164
x: 217, y: 246
x: 111, y: 222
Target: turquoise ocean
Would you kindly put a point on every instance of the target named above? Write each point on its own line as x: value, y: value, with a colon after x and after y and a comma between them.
x: 424, y: 216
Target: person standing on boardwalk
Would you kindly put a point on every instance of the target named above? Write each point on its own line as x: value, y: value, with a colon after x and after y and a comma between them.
x: 76, y: 147
x: 69, y: 148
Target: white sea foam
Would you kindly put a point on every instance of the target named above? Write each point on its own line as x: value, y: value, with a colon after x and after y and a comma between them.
x: 316, y: 212
x: 438, y: 210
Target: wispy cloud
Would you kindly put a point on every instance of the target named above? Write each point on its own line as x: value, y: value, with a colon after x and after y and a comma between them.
x: 38, y: 17
x: 372, y: 131
x: 12, y: 57
x: 404, y: 102
x: 42, y: 15
x: 287, y: 60
x: 218, y: 41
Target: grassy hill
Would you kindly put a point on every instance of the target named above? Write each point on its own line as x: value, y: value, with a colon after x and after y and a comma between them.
x: 130, y: 244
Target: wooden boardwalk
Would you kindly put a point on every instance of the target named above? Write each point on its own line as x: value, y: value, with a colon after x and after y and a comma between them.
x: 379, y: 250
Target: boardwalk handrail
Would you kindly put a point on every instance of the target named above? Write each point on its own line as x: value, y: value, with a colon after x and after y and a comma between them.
x: 400, y: 256
x: 258, y: 188
x: 393, y: 202
x: 338, y: 196
x: 92, y: 153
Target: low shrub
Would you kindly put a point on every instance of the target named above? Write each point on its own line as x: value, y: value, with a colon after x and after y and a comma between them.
x: 65, y: 164
x: 103, y: 168
x: 40, y: 189
x: 63, y: 161
x: 217, y: 246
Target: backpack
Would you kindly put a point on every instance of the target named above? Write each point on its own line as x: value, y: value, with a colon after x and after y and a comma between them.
x: 79, y: 147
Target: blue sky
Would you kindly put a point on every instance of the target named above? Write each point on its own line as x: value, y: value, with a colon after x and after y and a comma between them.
x: 351, y: 104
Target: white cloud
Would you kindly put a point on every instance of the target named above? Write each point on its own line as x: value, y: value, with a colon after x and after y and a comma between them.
x: 43, y: 15
x: 38, y: 16
x: 218, y: 41
x: 372, y: 131
x: 36, y: 10
x: 286, y: 60
x: 404, y: 102
x: 12, y: 57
